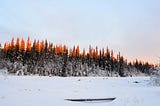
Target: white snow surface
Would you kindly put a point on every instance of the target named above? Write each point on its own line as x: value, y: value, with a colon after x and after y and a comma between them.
x: 52, y: 91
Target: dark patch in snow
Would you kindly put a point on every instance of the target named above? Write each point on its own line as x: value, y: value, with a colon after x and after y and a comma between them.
x: 92, y: 100
x: 105, y: 78
x: 2, y: 97
x: 136, y: 82
x: 79, y: 80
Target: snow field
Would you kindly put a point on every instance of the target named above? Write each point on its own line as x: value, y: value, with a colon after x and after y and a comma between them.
x: 52, y: 91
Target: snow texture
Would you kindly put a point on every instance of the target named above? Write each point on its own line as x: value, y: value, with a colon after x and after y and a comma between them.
x: 53, y: 91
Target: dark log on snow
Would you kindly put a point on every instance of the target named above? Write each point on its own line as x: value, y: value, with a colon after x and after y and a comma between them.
x: 98, y: 99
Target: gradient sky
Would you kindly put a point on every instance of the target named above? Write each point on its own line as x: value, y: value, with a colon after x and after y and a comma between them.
x: 129, y: 26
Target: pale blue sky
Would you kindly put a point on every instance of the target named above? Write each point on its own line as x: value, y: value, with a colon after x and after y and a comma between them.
x: 129, y: 26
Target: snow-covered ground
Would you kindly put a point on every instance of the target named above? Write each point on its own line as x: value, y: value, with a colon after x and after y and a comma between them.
x: 52, y: 91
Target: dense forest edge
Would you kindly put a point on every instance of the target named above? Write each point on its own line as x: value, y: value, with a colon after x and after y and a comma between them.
x: 20, y: 57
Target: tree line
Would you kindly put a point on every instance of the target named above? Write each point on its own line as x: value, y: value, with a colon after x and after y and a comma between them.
x: 43, y: 58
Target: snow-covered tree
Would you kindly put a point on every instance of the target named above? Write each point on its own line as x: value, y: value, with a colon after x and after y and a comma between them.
x: 44, y: 58
x: 155, y: 76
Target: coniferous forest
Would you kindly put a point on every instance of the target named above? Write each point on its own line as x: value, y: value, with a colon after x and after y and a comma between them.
x: 23, y: 57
